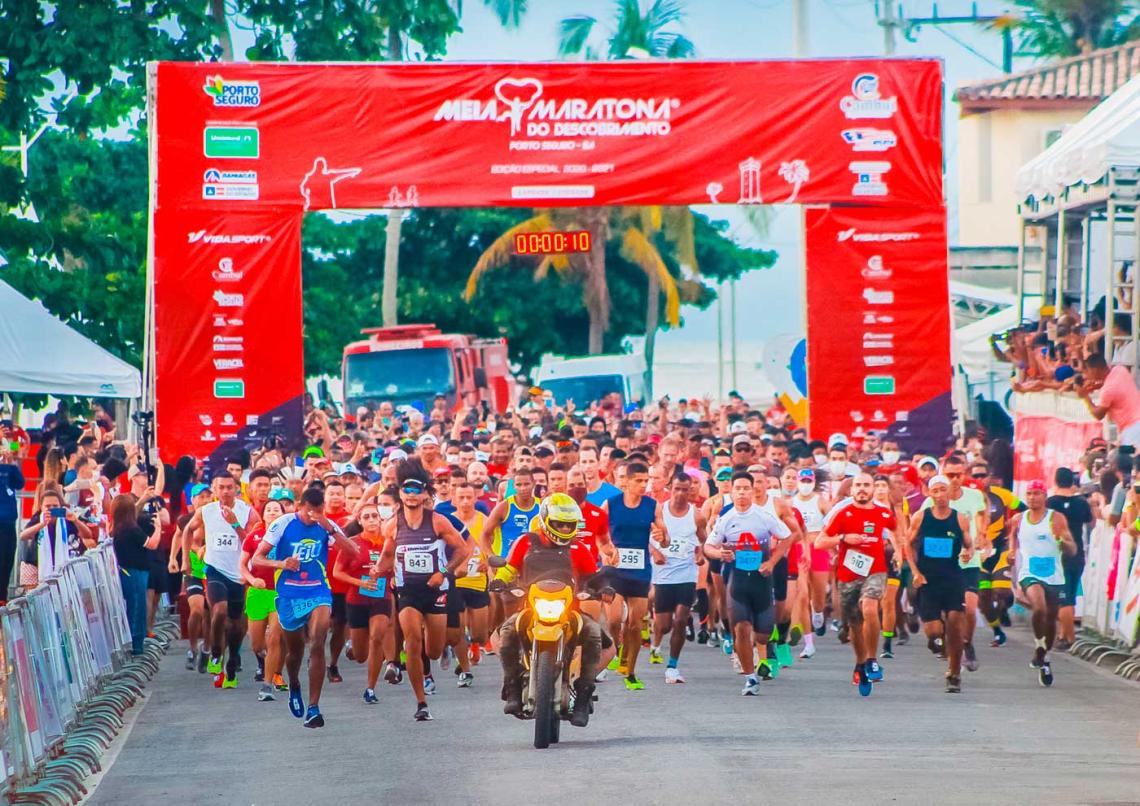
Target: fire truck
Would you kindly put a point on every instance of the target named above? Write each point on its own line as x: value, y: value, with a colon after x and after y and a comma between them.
x: 411, y: 364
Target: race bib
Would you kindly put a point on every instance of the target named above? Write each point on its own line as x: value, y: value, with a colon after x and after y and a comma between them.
x: 473, y: 565
x: 1042, y: 567
x: 857, y: 562
x: 381, y: 588
x: 419, y: 562
x: 676, y: 548
x: 748, y: 560
x: 938, y: 548
x: 631, y: 559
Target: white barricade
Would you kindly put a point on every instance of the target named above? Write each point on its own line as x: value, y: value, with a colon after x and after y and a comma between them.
x: 58, y: 644
x: 1111, y: 584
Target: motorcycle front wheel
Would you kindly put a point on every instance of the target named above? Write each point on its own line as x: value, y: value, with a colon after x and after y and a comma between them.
x: 545, y: 718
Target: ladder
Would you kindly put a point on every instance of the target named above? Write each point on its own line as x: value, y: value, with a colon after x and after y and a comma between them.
x: 1122, y: 249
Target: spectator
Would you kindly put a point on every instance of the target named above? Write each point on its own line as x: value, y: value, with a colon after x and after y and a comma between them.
x: 40, y: 535
x: 1119, y: 397
x: 11, y: 482
x: 131, y: 544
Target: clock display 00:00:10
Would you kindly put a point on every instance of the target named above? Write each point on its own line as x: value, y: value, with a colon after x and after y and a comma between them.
x: 552, y: 243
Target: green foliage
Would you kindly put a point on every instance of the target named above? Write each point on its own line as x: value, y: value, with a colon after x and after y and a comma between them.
x: 1060, y: 28
x: 636, y: 31
x: 343, y: 264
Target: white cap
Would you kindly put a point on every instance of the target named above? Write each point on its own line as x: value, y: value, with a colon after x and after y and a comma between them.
x: 398, y: 455
x: 741, y: 439
x: 939, y: 479
x: 427, y: 439
x: 738, y: 427
x: 482, y: 456
x: 535, y: 431
x: 927, y: 460
x: 348, y: 467
x: 836, y: 439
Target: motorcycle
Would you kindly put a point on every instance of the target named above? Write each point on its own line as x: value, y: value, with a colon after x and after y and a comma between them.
x: 546, y: 627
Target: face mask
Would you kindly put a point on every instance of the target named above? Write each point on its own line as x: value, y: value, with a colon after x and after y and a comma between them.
x: 821, y: 459
x: 969, y: 456
x: 891, y: 457
x: 837, y: 468
x: 806, y: 487
x: 386, y: 512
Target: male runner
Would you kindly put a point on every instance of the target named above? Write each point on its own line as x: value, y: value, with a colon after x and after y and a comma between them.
x: 1037, y: 538
x: 751, y: 541
x: 598, y: 491
x: 474, y: 602
x: 675, y: 572
x: 300, y: 544
x: 995, y: 590
x: 782, y: 510
x: 812, y: 506
x: 860, y: 530
x: 508, y: 522
x: 192, y: 544
x: 939, y: 539
x: 337, y: 512
x: 417, y: 544
x: 1067, y: 500
x: 224, y: 523
x: 631, y: 517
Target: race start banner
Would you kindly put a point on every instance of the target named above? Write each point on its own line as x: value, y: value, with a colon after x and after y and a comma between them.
x: 878, y: 324
x: 241, y: 151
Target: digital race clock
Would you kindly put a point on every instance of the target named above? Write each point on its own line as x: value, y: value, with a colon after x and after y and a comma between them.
x: 551, y: 243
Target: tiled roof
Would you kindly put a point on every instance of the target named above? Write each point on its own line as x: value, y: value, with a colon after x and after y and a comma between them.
x: 1077, y: 81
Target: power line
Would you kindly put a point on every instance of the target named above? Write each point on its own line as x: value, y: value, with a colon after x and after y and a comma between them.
x: 968, y: 47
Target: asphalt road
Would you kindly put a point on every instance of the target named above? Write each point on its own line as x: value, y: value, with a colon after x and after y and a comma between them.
x: 809, y: 738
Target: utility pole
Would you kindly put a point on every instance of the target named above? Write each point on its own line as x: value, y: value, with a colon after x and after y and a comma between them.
x: 799, y: 29
x: 890, y: 24
x: 911, y: 25
x: 732, y: 324
x: 720, y: 343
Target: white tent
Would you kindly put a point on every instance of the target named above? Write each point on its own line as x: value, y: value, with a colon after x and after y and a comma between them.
x: 1106, y: 137
x: 41, y: 355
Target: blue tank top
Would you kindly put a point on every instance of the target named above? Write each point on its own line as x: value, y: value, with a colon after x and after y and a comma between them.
x: 515, y: 525
x: 310, y: 544
x: 629, y: 530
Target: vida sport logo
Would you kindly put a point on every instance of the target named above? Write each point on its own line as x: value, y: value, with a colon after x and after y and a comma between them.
x: 521, y: 100
x: 232, y: 93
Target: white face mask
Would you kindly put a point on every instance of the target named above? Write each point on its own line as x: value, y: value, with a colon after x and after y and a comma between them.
x: 386, y: 512
x: 806, y: 487
x: 891, y: 457
x: 838, y: 469
x: 821, y: 459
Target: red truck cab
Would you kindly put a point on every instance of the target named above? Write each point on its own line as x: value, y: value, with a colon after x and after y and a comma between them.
x: 411, y: 364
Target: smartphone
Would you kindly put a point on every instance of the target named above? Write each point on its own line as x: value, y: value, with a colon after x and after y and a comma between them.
x: 58, y: 512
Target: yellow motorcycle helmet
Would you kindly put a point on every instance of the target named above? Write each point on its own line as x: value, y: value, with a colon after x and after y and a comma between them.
x: 561, y: 518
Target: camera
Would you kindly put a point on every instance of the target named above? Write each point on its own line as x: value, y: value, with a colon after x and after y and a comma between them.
x: 142, y: 418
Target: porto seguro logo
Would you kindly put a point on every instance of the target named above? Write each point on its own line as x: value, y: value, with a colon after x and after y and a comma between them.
x: 865, y: 100
x: 232, y: 93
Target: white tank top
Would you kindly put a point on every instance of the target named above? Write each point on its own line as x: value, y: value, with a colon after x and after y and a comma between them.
x: 1038, y: 555
x: 811, y: 512
x: 223, y: 546
x: 680, y: 555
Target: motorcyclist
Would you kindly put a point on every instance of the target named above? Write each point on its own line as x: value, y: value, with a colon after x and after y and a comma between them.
x: 552, y: 553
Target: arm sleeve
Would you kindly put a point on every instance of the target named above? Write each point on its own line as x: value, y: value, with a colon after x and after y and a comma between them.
x: 835, y: 525
x: 277, y: 529
x: 584, y: 564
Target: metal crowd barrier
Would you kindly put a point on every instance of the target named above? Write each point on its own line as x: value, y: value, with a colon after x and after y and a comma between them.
x: 66, y: 678
x: 1110, y: 609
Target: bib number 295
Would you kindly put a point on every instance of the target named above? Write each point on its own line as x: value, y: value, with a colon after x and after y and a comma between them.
x: 631, y: 559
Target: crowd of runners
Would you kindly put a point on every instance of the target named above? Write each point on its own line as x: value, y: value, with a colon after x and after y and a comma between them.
x: 393, y: 539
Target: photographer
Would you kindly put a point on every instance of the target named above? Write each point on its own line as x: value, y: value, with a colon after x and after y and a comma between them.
x: 1119, y: 397
x: 41, y: 535
x: 131, y: 544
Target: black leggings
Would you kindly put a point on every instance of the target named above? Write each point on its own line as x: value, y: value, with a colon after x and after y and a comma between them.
x: 7, y: 556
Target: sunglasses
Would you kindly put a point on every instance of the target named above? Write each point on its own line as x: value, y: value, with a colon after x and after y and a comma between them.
x: 742, y: 448
x: 953, y: 475
x: 979, y: 475
x: 412, y: 489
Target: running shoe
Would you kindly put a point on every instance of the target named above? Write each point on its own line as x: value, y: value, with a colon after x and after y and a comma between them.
x: 613, y: 664
x: 391, y: 673
x: 229, y: 681
x: 702, y: 636
x: 971, y: 657
x: 219, y: 678
x: 445, y: 659
x: 764, y: 670
x: 807, y: 652
x: 487, y: 650
x: 334, y: 674
x: 784, y: 654
x: 429, y: 685
x: 1038, y: 659
x: 348, y: 649
x: 370, y: 697
x: 864, y: 682
x: 279, y: 683
x: 214, y: 666
x: 203, y: 660
x: 296, y: 703
x: 313, y: 718
x: 259, y: 675
x: 633, y: 684
x: 601, y: 676
x: 999, y: 638
x: 835, y: 625
x: 751, y: 687
x: 953, y: 684
x: 674, y: 675
x: 1062, y: 645
x: 714, y: 638
x: 736, y: 667
x: 817, y: 622
x: 265, y: 693
x: 795, y: 634
x: 1045, y: 674
x: 902, y: 637
x: 934, y: 644
x: 423, y: 714
x: 886, y: 653
x: 874, y: 671
x: 191, y: 661
x: 622, y: 670
x: 689, y: 634
x: 465, y: 680
x: 655, y: 655
x: 1003, y: 619
x: 726, y: 646
x: 844, y: 634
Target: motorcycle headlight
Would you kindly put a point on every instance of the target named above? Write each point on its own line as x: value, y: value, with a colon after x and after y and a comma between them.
x: 549, y: 609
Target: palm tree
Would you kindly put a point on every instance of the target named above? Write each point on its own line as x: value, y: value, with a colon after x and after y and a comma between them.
x: 635, y: 32
x: 1060, y: 28
x: 633, y: 228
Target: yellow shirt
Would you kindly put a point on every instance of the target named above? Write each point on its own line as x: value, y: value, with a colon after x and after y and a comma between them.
x: 473, y: 580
